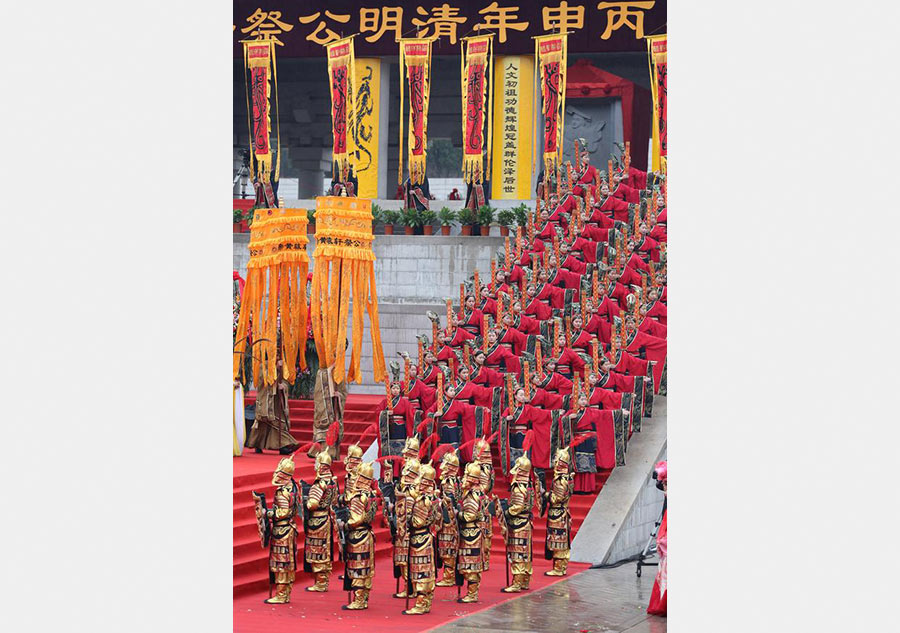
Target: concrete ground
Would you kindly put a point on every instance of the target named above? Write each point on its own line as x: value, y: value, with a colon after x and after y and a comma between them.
x: 594, y: 601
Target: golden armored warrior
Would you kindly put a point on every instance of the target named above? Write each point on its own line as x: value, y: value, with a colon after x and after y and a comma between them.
x: 557, y: 543
x: 283, y: 540
x: 360, y: 562
x: 318, y: 523
x: 424, y: 515
x: 470, y: 558
x: 403, y: 504
x: 517, y: 526
x: 481, y: 454
x: 351, y: 463
x: 448, y: 534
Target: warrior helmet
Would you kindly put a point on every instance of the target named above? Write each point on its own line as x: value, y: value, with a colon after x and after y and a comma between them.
x: 365, y: 474
x: 473, y: 475
x: 521, y: 470
x: 426, y: 476
x: 561, y: 460
x: 283, y: 472
x: 482, y: 451
x: 323, y: 460
x: 411, y: 448
x: 450, y: 462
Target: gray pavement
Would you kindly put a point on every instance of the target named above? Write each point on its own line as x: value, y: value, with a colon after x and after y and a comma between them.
x: 594, y: 601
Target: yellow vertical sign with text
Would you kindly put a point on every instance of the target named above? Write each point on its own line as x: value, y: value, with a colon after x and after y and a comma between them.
x: 367, y: 83
x: 513, y: 116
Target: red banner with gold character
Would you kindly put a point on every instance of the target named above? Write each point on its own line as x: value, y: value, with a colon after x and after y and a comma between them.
x: 340, y: 79
x: 476, y: 59
x: 415, y: 63
x: 551, y: 52
x: 258, y: 58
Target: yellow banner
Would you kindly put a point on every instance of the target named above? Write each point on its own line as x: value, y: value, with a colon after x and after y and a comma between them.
x: 513, y: 114
x: 367, y: 83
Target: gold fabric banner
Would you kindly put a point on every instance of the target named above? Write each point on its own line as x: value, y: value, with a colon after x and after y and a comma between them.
x: 364, y: 126
x: 656, y: 52
x: 513, y: 108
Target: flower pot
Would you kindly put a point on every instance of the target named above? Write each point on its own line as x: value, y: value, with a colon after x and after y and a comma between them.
x: 388, y: 229
x: 467, y: 229
x: 428, y: 229
x: 504, y: 231
x: 445, y: 230
x: 409, y: 230
x: 485, y: 230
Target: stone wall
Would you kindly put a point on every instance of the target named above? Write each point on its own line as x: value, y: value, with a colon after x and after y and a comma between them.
x: 641, y: 520
x: 412, y: 274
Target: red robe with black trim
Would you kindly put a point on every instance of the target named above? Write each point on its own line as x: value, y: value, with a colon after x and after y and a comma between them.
x: 445, y: 353
x: 420, y: 395
x: 600, y: 327
x: 605, y: 398
x: 592, y: 419
x: 596, y: 233
x: 562, y: 278
x: 527, y: 325
x: 548, y: 293
x: 472, y: 320
x: 582, y: 339
x: 539, y: 309
x: 464, y: 416
x: 429, y: 374
x: 636, y: 179
x: 630, y: 365
x: 654, y: 349
x: 658, y: 233
x: 661, y: 215
x: 569, y: 363
x: 486, y: 376
x: 401, y: 407
x: 574, y: 264
x: 587, y: 248
x: 658, y: 311
x: 587, y: 181
x: 545, y: 400
x: 617, y: 382
x: 556, y: 382
x: 613, y: 208
x: 618, y: 292
x: 539, y: 422
x: 460, y: 336
x: 473, y: 393
x: 651, y: 327
x: 499, y: 356
x: 626, y: 193
x: 488, y: 306
x: 513, y: 339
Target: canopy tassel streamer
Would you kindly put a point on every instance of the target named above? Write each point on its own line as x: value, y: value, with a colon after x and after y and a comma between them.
x: 274, y: 300
x: 345, y: 270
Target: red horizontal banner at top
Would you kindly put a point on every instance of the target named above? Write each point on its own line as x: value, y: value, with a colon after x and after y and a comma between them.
x: 415, y: 48
x: 550, y: 46
x: 339, y: 51
x: 658, y: 46
x: 256, y: 52
x: 480, y: 46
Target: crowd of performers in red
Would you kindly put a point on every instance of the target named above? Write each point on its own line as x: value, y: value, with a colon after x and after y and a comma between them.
x: 566, y: 337
x: 564, y: 342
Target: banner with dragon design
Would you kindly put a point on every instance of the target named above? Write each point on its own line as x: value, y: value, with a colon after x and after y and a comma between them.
x: 341, y: 69
x: 259, y: 68
x: 552, y: 53
x: 477, y: 82
x: 415, y: 69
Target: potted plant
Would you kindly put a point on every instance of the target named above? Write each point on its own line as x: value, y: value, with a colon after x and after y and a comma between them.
x: 377, y: 215
x: 506, y: 218
x: 521, y: 213
x: 390, y: 217
x: 485, y: 217
x: 239, y: 223
x: 311, y: 227
x: 467, y: 219
x: 426, y: 221
x: 410, y: 220
x: 446, y: 216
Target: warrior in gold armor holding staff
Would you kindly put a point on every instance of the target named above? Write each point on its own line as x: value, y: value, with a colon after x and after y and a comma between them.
x: 403, y: 504
x: 481, y: 454
x: 319, y: 525
x: 448, y: 534
x: 517, y: 526
x: 424, y: 514
x: 360, y: 563
x: 557, y: 542
x: 283, y: 539
x: 470, y: 558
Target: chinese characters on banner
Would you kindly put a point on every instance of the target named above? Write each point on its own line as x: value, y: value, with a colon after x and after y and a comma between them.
x: 513, y: 110
x: 300, y: 31
x: 415, y: 63
x: 656, y: 47
x: 477, y: 62
x: 364, y: 126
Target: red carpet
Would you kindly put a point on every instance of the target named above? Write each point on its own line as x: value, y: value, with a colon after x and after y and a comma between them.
x: 322, y: 611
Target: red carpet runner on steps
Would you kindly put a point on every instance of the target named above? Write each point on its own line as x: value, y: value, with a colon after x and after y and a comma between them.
x: 322, y: 612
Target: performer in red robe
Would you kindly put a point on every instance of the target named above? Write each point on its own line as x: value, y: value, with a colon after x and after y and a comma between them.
x: 598, y: 452
x: 612, y: 207
x: 653, y: 349
x: 483, y: 375
x: 460, y: 335
x: 537, y: 306
x: 511, y: 338
x: 525, y: 324
x: 656, y: 310
x: 568, y: 362
x: 497, y: 356
x: 657, y: 604
x: 472, y: 318
x: 471, y: 392
x: 515, y: 424
x: 553, y: 381
x: 587, y: 177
